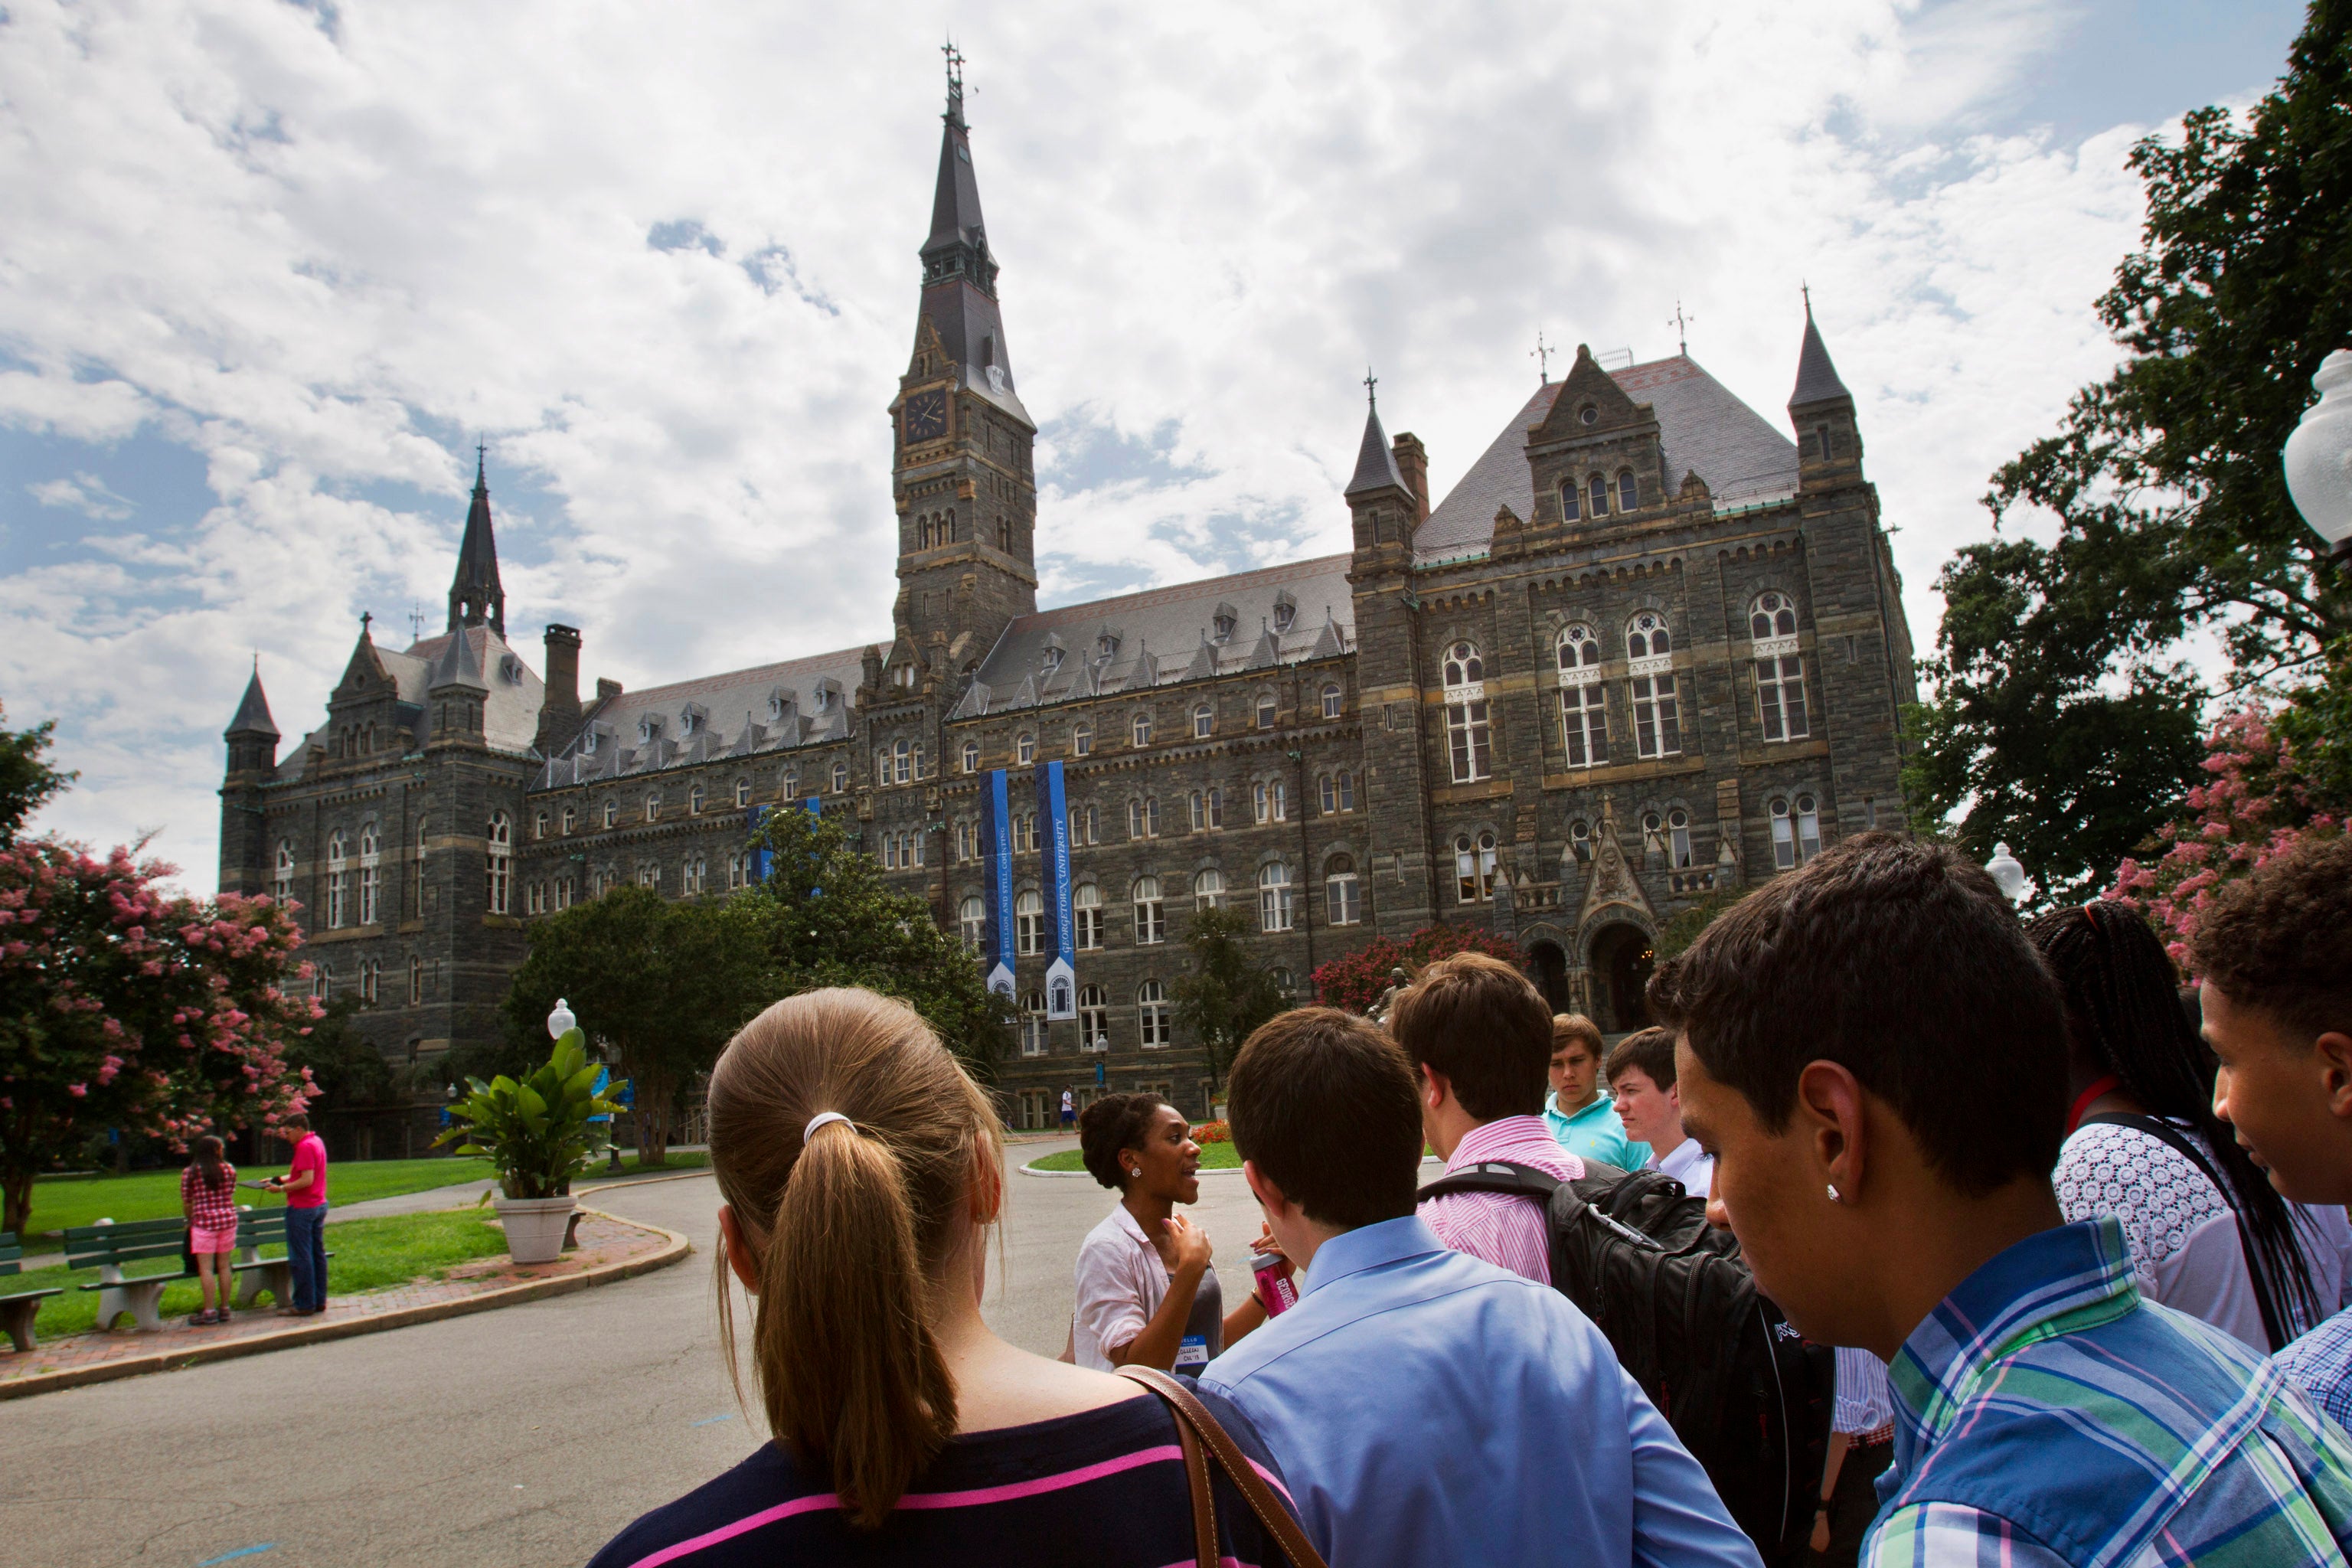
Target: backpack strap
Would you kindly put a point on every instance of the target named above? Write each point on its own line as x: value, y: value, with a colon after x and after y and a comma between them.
x: 1503, y: 1176
x: 2164, y: 1132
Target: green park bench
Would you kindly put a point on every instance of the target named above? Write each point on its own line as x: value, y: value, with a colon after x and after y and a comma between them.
x: 255, y: 1273
x: 107, y: 1246
x: 17, y: 1307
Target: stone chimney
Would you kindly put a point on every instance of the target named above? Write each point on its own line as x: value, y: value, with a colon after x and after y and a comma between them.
x: 1412, y: 462
x: 559, y: 711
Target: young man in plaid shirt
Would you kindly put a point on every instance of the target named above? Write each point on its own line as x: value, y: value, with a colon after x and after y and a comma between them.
x: 1876, y: 1059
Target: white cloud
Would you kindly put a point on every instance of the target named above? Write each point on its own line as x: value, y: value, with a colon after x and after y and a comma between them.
x: 665, y: 259
x: 84, y: 493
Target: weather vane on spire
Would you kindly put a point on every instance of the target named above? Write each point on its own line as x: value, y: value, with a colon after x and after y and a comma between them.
x: 1682, y: 330
x: 415, y: 622
x: 1371, y: 387
x: 1542, y: 356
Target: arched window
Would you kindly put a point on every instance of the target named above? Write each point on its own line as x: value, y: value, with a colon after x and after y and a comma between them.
x: 1342, y: 893
x: 1583, y: 705
x: 1271, y: 800
x: 1628, y: 496
x: 1094, y: 1018
x: 882, y: 766
x: 1151, y: 1016
x: 1473, y: 867
x: 1205, y: 719
x: 1267, y: 711
x: 1796, y: 835
x: 338, y: 882
x: 789, y: 786
x: 1208, y: 889
x: 283, y: 887
x: 571, y: 820
x: 1578, y: 648
x: 500, y: 861
x: 1467, y: 733
x: 692, y: 873
x: 1678, y: 839
x: 1273, y: 897
x: 1598, y: 492
x: 694, y: 801
x: 743, y: 794
x: 1082, y: 739
x: 652, y: 806
x: 371, y: 980
x: 1143, y: 818
x: 1150, y: 914
x: 1772, y: 615
x: 1332, y: 700
x: 1033, y: 1023
x: 1657, y: 710
x: 1780, y: 669
x: 971, y: 922
x: 1208, y: 809
x: 539, y: 826
x: 1086, y: 914
x: 899, y: 763
x: 1028, y: 922
x: 971, y: 756
x: 611, y: 812
x: 370, y: 876
x: 1571, y: 506
x: 1024, y: 749
x: 840, y: 778
x: 1141, y: 729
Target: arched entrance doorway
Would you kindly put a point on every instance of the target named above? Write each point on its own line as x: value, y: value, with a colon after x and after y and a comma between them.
x: 1622, y: 960
x: 1551, y: 966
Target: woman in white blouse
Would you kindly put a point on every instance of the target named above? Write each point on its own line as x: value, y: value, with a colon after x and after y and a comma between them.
x: 1147, y: 1295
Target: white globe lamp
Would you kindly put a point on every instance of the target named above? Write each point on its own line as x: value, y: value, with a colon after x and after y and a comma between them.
x: 2318, y: 459
x: 2008, y: 873
x: 560, y: 1022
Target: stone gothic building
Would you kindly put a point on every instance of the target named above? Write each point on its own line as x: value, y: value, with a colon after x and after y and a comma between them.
x: 1651, y: 647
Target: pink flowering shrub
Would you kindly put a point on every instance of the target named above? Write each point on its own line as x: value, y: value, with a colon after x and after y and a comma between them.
x: 2258, y: 802
x: 124, y: 1005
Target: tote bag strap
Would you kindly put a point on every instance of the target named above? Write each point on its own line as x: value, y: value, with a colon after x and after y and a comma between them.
x: 1193, y: 1417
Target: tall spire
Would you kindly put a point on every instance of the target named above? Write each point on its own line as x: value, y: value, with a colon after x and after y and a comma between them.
x: 959, y: 270
x: 252, y: 711
x: 475, y: 596
x: 1375, y: 462
x: 1817, y: 378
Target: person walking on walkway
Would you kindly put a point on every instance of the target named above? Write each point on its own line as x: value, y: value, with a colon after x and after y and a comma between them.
x: 1147, y: 1295
x: 1578, y: 1114
x: 862, y: 1172
x: 208, y: 1198
x: 1875, y: 1057
x: 305, y: 1186
x: 2208, y: 1234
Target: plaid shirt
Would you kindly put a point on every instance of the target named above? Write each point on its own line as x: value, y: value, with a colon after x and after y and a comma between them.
x: 2320, y: 1363
x: 209, y: 1209
x: 2044, y: 1415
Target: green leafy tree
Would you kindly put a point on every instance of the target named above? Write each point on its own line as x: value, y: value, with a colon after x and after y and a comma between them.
x: 1685, y: 927
x: 663, y: 985
x: 1224, y: 994
x: 833, y: 921
x: 27, y: 781
x: 2065, y: 720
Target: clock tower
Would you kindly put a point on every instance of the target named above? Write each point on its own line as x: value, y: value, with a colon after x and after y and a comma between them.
x: 963, y: 481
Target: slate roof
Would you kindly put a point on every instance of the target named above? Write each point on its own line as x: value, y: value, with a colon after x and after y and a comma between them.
x: 1817, y: 378
x: 509, y: 712
x: 1168, y: 635
x: 1375, y: 463
x: 1702, y: 426
x: 767, y: 708
x: 252, y: 713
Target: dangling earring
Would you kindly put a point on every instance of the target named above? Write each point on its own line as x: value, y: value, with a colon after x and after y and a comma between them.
x: 1833, y: 1194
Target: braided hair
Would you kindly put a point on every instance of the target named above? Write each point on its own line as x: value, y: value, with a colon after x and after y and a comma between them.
x: 2124, y: 1012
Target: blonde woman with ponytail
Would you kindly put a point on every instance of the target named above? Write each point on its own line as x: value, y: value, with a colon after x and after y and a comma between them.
x: 860, y: 1173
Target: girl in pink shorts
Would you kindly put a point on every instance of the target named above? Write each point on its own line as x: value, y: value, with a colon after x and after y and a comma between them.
x: 208, y: 1198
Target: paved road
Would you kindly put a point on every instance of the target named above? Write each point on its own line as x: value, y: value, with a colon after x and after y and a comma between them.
x: 527, y: 1436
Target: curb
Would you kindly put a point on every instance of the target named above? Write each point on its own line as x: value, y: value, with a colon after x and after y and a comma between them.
x: 312, y: 1333
x: 646, y: 1182
x: 1031, y: 1170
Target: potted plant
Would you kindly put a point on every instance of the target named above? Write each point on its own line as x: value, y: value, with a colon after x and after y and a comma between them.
x: 537, y: 1134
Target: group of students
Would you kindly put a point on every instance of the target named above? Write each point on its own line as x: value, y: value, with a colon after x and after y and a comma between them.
x: 1885, y: 1068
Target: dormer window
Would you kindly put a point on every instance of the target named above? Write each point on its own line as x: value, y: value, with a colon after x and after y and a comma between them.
x: 1286, y: 610
x: 1224, y: 624
x: 588, y: 742
x: 647, y: 727
x: 1053, y: 660
x: 1106, y: 647
x: 510, y: 670
x: 775, y: 705
x: 686, y: 722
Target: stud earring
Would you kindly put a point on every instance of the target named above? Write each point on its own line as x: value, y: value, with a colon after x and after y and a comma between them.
x: 1833, y: 1194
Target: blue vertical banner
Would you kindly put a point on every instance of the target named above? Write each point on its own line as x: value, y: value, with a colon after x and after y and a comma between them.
x: 1060, y: 941
x: 997, y: 856
x: 760, y: 857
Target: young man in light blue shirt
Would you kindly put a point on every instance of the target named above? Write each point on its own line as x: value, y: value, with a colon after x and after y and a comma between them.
x: 1429, y: 1408
x: 1578, y: 1113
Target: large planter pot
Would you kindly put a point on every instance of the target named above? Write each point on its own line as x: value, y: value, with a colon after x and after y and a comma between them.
x: 534, y: 1226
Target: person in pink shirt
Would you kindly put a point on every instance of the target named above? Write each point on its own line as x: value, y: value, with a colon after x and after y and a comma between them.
x: 1479, y: 1038
x: 305, y: 1186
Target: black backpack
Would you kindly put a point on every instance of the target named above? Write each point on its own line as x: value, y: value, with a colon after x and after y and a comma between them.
x: 1748, y: 1395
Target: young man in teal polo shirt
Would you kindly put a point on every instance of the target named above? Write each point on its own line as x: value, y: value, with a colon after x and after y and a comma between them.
x: 1577, y: 1113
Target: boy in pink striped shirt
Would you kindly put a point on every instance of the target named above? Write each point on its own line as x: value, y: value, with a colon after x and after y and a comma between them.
x: 1479, y: 1038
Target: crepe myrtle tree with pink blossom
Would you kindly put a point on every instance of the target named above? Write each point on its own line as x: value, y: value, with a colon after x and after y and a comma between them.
x: 125, y: 1006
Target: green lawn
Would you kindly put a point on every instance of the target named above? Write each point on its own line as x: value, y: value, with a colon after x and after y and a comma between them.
x: 679, y: 1159
x: 1213, y: 1157
x: 370, y: 1254
x: 59, y: 1202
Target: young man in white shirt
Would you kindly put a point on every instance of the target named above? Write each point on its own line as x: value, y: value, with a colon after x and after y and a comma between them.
x: 1641, y: 1071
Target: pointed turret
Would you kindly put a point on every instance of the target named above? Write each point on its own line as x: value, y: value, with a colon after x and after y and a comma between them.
x: 1381, y: 500
x: 475, y: 596
x: 458, y: 665
x: 959, y: 271
x: 1817, y: 378
x: 1376, y: 466
x: 252, y: 713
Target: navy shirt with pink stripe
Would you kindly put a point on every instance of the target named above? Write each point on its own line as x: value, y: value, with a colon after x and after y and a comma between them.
x: 1103, y: 1488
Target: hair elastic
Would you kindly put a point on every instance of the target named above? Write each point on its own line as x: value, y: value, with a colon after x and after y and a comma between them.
x: 820, y: 1119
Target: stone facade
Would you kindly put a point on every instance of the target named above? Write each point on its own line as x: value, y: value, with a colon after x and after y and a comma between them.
x: 1649, y: 648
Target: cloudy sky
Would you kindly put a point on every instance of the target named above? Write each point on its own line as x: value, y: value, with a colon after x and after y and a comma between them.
x: 269, y: 270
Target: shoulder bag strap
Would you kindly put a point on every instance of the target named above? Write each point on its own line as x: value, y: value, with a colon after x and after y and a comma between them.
x: 1193, y: 1417
x: 2156, y: 1127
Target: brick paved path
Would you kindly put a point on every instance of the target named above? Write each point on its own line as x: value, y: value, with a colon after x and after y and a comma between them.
x: 603, y: 1241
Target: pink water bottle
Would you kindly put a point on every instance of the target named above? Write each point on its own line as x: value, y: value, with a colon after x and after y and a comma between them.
x: 1271, y: 1282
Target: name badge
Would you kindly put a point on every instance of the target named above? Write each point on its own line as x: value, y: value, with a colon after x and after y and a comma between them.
x: 1192, y: 1351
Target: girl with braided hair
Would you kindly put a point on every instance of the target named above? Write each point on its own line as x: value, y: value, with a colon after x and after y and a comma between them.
x: 2208, y: 1234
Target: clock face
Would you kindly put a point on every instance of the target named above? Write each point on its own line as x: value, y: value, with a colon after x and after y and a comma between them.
x: 927, y: 415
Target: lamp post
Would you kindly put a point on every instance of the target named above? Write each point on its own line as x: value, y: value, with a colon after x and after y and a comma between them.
x: 560, y: 1022
x: 2008, y: 873
x: 2318, y: 459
